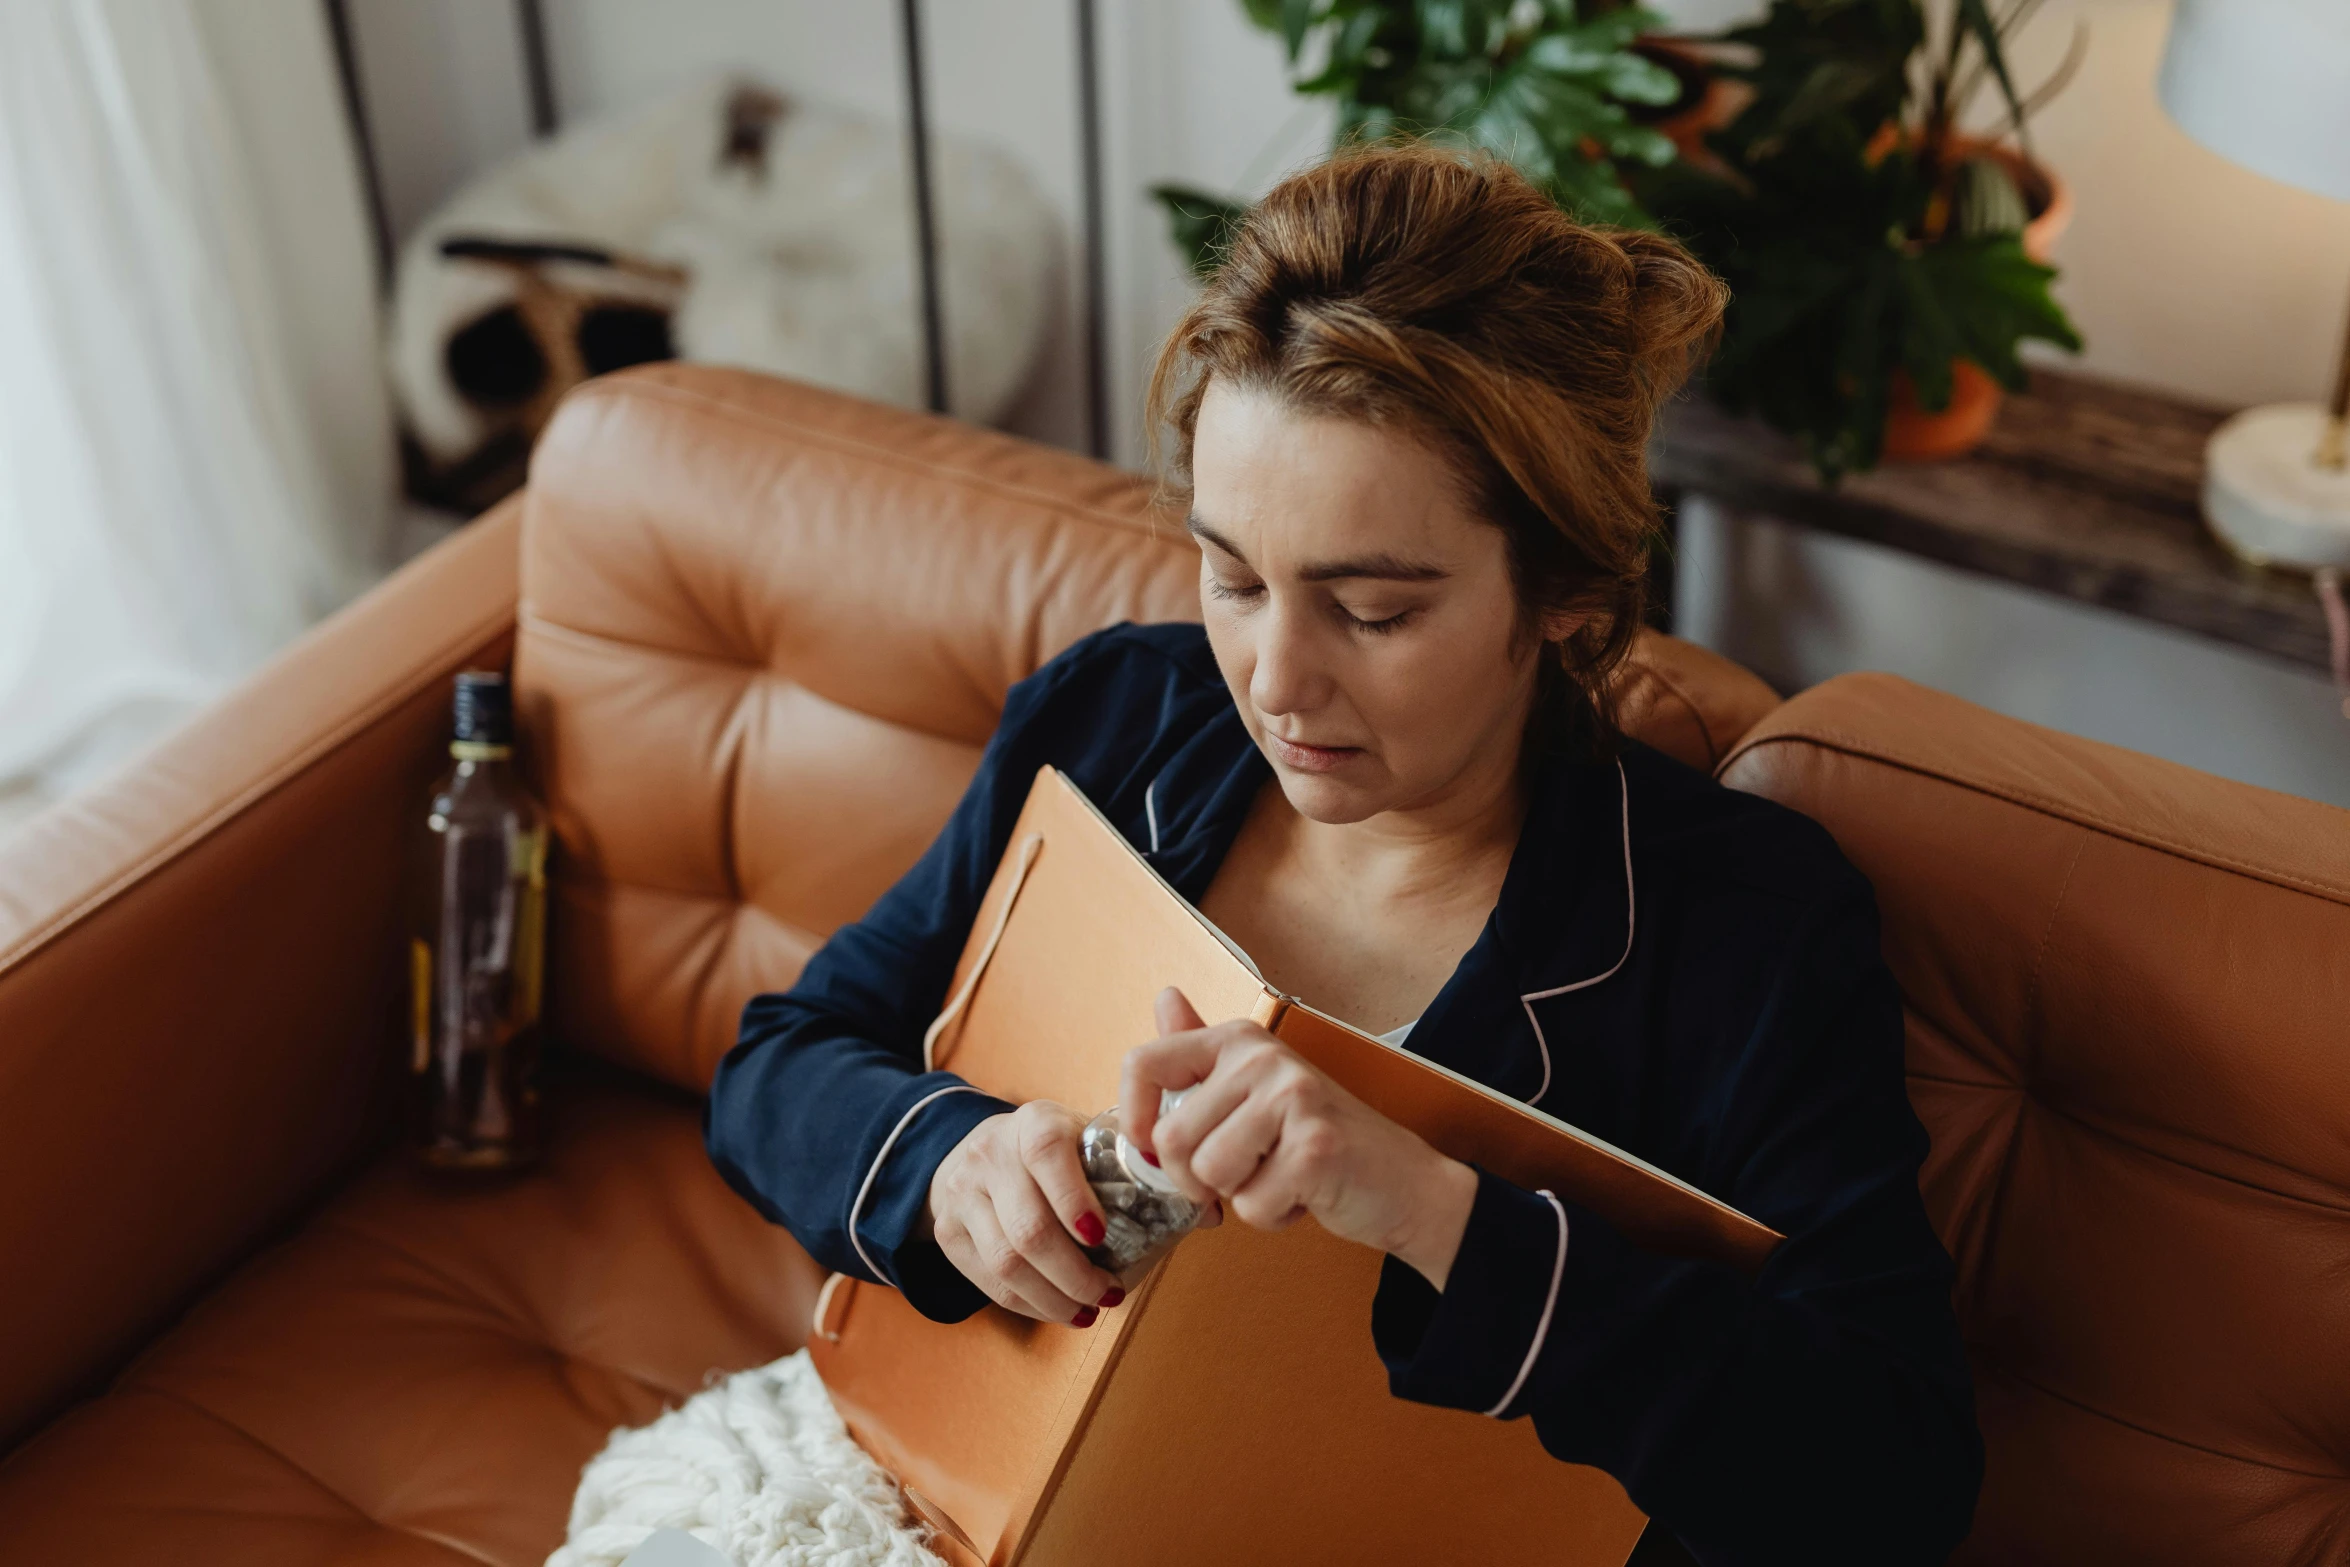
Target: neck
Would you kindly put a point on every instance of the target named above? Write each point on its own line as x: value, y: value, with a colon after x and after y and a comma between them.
x: 1454, y: 845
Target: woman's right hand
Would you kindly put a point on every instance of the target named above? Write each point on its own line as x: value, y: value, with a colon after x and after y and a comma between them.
x: 1008, y: 1207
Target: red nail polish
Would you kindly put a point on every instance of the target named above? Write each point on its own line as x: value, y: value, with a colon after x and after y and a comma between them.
x: 1116, y: 1297
x: 1089, y: 1228
x: 1152, y: 1157
x: 1084, y: 1319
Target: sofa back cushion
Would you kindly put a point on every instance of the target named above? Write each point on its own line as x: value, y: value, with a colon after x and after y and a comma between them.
x: 765, y: 632
x: 2128, y: 991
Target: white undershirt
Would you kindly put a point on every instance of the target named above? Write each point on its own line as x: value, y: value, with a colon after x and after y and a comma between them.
x: 1396, y: 1036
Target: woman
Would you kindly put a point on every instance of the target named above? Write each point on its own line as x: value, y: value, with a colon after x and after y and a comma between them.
x: 1412, y: 408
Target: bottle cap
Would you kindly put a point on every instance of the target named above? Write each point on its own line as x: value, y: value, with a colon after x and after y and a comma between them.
x: 483, y: 709
x: 1146, y: 1173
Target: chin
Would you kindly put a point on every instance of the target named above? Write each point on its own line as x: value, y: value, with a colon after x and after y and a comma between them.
x: 1320, y: 798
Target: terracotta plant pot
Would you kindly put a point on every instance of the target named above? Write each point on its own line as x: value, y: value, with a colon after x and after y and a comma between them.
x: 1912, y: 433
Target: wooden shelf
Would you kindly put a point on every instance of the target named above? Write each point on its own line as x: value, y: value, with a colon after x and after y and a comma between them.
x: 2086, y: 490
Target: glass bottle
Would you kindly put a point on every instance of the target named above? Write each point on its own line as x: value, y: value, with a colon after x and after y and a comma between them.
x: 1144, y: 1213
x: 477, y: 947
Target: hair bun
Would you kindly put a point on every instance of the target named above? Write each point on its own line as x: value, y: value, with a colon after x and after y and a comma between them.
x: 1676, y: 309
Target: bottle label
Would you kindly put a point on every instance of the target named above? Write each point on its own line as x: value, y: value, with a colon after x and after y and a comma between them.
x: 420, y: 1004
x: 529, y: 864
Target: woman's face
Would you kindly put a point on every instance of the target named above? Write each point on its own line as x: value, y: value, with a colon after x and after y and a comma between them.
x: 1362, y: 615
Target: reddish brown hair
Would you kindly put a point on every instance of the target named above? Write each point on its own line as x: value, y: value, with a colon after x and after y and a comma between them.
x: 1441, y: 292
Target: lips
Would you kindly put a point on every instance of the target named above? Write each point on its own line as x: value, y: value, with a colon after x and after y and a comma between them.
x: 1310, y: 758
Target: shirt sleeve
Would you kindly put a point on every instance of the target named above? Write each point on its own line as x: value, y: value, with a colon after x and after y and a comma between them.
x: 822, y: 1115
x: 1820, y: 1411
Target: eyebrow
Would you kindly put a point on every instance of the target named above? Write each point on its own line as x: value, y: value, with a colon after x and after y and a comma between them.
x: 1382, y: 566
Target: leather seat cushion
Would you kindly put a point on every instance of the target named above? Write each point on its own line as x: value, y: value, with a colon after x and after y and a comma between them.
x: 419, y: 1374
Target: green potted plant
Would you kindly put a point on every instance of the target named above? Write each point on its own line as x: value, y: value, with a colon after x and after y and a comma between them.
x: 1884, y: 266
x: 1570, y: 91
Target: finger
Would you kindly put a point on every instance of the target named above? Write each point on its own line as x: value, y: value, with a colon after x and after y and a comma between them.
x: 1175, y: 1012
x: 1276, y: 1196
x: 1054, y: 1165
x: 1227, y: 1158
x: 1008, y: 1276
x: 1030, y: 1223
x: 1171, y: 1061
x: 1184, y: 1130
x: 954, y: 1240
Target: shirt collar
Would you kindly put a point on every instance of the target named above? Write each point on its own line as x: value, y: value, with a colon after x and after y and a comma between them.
x: 1565, y: 917
x: 1569, y: 903
x: 1198, y: 799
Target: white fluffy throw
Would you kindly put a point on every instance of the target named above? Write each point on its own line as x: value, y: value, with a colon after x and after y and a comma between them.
x: 804, y: 269
x: 758, y: 1466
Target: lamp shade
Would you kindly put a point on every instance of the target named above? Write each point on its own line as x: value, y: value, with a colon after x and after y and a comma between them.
x: 2265, y: 83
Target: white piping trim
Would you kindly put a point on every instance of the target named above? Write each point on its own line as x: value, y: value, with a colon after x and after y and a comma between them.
x: 824, y: 1307
x: 874, y: 1169
x: 1029, y: 849
x: 1631, y: 925
x: 1150, y: 813
x: 1558, y: 1270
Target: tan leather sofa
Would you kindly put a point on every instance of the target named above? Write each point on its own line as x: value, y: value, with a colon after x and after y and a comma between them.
x: 760, y: 634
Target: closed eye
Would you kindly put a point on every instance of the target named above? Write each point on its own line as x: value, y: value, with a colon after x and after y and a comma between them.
x: 1378, y: 628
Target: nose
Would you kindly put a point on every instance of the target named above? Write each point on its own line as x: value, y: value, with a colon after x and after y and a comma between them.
x: 1290, y: 676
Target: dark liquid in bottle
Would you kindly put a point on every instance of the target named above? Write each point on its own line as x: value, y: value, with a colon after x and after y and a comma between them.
x: 478, y: 950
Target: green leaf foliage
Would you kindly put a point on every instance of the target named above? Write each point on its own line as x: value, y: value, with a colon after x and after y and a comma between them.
x: 1856, y: 250
x: 1548, y: 87
x: 1976, y: 22
x: 1824, y: 68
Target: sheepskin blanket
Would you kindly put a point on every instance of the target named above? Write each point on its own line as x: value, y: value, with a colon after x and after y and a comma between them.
x: 800, y: 263
x: 757, y: 1466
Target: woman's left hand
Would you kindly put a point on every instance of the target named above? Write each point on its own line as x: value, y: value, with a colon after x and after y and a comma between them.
x: 1276, y: 1139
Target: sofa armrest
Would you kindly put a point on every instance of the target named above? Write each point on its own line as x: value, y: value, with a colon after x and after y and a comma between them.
x: 200, y: 972
x: 1686, y: 701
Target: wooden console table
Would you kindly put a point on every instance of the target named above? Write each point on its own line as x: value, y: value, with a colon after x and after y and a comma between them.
x: 2086, y: 490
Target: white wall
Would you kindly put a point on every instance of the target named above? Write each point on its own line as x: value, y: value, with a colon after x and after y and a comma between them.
x: 2184, y: 272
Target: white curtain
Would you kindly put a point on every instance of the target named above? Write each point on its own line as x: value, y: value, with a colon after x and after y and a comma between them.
x: 179, y: 493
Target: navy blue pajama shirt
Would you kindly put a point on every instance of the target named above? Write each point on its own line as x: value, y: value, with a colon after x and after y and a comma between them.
x: 1689, y: 972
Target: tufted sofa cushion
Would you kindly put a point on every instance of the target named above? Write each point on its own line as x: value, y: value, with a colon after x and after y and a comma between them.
x: 765, y: 631
x: 416, y: 1378
x: 2128, y: 991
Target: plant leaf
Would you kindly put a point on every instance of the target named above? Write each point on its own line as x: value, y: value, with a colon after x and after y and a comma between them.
x: 1297, y: 19
x: 1543, y: 86
x: 1444, y: 27
x: 1974, y: 17
x: 1996, y: 298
